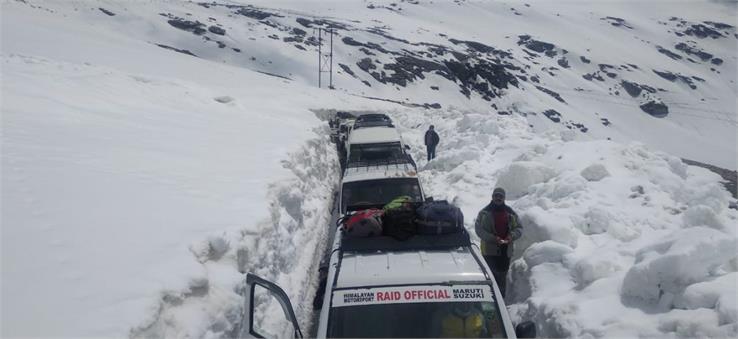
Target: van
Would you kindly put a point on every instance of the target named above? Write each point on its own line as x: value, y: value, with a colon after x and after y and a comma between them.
x: 383, y: 287
x: 372, y: 144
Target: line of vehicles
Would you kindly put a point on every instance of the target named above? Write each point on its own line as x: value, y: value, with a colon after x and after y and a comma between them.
x: 427, y: 285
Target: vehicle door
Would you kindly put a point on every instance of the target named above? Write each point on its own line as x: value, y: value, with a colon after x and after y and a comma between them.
x: 262, y: 317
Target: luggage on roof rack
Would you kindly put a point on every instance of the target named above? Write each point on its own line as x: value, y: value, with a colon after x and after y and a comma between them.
x: 439, y: 217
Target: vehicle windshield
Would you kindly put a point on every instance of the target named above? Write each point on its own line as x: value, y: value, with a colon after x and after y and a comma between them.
x: 454, y: 317
x: 379, y: 192
x: 375, y: 152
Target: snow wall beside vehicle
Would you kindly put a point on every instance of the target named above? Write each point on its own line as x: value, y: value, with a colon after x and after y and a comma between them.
x: 285, y: 249
x: 618, y: 239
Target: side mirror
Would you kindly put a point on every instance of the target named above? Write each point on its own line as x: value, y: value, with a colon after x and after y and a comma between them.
x: 526, y: 329
x: 428, y: 198
x: 407, y: 147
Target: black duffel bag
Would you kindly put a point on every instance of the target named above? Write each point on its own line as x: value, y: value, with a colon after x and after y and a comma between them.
x: 439, y: 217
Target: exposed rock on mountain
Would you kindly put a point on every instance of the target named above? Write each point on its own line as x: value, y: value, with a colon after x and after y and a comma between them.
x: 537, y: 46
x: 656, y: 109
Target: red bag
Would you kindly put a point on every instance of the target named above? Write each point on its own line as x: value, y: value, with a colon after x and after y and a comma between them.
x: 366, y: 223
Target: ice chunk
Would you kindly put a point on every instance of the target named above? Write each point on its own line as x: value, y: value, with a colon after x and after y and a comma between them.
x: 544, y: 252
x: 597, y: 266
x: 517, y: 178
x: 719, y: 294
x: 595, y: 172
x: 701, y: 215
x: 685, y: 258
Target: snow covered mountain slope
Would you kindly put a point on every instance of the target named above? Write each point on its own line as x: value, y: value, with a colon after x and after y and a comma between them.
x: 148, y: 161
x: 622, y: 70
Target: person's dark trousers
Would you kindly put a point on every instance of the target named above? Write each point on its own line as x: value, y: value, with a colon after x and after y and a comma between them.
x: 499, y: 264
x: 431, y: 152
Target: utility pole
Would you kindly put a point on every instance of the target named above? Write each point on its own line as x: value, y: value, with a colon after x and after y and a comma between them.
x: 325, y: 60
x: 320, y: 42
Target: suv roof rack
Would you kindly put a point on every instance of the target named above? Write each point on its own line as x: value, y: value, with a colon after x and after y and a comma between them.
x: 373, y: 116
x: 373, y: 123
x: 373, y: 120
x: 400, y: 160
x: 418, y: 242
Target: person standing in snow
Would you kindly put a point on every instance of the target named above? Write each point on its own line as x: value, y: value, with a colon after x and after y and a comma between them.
x: 431, y: 141
x: 497, y: 226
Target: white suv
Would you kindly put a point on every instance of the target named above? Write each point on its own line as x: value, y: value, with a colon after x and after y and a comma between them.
x: 382, y: 287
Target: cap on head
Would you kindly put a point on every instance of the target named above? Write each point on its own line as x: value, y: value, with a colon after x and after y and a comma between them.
x: 499, y: 191
x: 431, y: 127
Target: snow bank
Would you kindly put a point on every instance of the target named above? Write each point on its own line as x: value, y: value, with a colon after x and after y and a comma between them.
x: 618, y: 240
x: 688, y: 256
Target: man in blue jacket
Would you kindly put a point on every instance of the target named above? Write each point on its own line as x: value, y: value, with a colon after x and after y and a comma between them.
x: 431, y: 141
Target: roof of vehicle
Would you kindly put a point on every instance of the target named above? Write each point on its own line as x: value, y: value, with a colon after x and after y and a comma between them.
x: 379, y: 171
x: 373, y: 135
x: 410, y: 267
x: 373, y: 116
x: 373, y: 120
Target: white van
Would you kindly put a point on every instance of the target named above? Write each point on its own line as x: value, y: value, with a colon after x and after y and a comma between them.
x: 424, y: 287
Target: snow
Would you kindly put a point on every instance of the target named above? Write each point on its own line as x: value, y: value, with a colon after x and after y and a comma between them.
x: 140, y: 184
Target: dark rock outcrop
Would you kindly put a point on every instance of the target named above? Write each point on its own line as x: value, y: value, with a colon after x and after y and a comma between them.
x: 366, y: 65
x: 718, y: 25
x: 347, y: 69
x: 593, y: 75
x: 656, y: 109
x: 704, y: 56
x: 702, y: 31
x: 551, y: 93
x: 183, y: 51
x: 553, y: 115
x: 195, y: 27
x: 635, y: 89
x: 255, y: 13
x: 536, y: 45
x: 109, y: 13
x: 216, y: 30
x: 668, y: 53
x: 494, y: 76
x: 563, y: 62
x: 617, y: 22
x: 676, y: 76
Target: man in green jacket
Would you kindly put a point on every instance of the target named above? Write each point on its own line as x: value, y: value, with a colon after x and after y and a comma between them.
x: 497, y: 226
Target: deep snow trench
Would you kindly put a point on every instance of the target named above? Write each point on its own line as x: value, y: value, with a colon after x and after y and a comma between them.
x: 618, y: 239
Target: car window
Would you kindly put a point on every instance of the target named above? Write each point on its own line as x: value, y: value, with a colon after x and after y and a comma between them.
x: 373, y: 192
x: 375, y: 152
